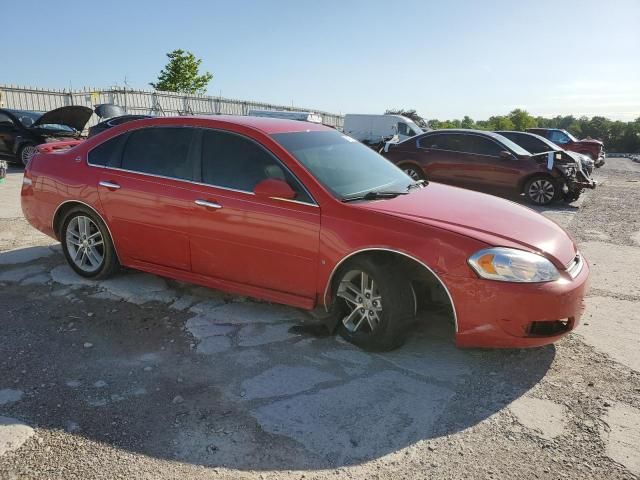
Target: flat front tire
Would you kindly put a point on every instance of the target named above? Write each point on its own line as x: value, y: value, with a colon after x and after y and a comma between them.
x: 87, y: 245
x: 374, y: 304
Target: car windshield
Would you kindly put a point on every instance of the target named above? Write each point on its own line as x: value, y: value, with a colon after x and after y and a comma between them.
x: 532, y: 143
x: 573, y: 139
x: 27, y: 119
x: 514, y: 147
x: 343, y: 165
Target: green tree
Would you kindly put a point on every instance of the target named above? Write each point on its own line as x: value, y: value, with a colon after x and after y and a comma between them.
x: 467, y: 122
x: 501, y: 122
x: 410, y: 114
x: 521, y: 119
x: 618, y: 136
x: 181, y: 74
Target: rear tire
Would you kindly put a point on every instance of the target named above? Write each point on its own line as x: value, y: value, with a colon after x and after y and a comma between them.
x: 541, y: 190
x: 374, y: 304
x: 87, y: 245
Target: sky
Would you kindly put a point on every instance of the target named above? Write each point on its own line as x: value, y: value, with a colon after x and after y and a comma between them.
x: 446, y: 58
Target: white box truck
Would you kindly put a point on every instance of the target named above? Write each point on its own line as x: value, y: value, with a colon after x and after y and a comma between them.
x: 375, y: 130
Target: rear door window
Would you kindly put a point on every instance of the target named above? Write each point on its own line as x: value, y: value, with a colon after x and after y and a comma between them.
x: 162, y: 151
x: 238, y: 163
x: 460, y: 143
x: 437, y: 142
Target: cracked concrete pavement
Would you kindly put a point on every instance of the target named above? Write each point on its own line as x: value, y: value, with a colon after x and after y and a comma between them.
x: 143, y: 377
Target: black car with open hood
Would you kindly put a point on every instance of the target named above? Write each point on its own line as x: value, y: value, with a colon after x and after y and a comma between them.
x: 21, y: 131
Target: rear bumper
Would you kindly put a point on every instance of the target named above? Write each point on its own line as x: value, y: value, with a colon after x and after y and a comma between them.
x: 495, y: 314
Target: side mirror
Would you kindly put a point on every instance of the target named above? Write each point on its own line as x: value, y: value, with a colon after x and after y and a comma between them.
x: 274, y: 188
x: 504, y: 155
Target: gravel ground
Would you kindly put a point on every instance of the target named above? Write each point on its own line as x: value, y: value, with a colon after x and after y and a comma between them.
x: 140, y: 377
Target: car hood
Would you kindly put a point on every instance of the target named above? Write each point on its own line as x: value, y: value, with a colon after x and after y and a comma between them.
x: 74, y: 116
x: 591, y: 141
x: 489, y: 219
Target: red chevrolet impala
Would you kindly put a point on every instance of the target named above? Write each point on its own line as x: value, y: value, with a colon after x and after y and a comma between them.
x: 297, y: 213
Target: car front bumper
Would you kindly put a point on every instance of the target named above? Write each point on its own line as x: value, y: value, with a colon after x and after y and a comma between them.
x: 495, y: 314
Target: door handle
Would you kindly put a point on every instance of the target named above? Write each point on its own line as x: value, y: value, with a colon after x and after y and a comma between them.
x: 109, y: 185
x: 204, y: 203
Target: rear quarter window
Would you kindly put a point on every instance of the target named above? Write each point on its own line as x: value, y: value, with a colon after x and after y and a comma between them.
x: 107, y: 153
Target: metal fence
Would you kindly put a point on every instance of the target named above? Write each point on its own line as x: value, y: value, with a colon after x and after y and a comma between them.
x: 141, y: 102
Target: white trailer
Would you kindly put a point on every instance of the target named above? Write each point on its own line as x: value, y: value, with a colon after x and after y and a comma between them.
x: 301, y: 116
x: 374, y: 129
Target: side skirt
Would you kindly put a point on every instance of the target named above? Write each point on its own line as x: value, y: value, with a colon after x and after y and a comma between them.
x: 225, y: 285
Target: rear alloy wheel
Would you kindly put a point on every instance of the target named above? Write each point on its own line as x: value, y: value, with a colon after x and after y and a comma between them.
x: 374, y: 304
x: 541, y: 190
x: 87, y: 245
x: 26, y: 153
x: 414, y: 172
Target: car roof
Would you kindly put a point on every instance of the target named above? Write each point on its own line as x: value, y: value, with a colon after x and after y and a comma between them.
x: 266, y: 124
x: 487, y: 133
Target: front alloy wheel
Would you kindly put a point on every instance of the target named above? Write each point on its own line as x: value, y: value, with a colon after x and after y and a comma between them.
x: 541, y: 190
x: 363, y: 301
x: 374, y: 303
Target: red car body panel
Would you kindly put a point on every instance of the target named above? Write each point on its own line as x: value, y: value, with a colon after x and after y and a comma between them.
x: 287, y: 252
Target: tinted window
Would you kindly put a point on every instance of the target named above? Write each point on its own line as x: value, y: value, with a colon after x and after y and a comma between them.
x: 528, y: 142
x: 459, y: 143
x: 159, y: 151
x: 233, y: 161
x: 434, y: 141
x: 483, y: 146
x: 106, y: 152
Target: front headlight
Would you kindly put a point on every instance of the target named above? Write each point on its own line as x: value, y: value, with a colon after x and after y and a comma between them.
x: 511, y: 265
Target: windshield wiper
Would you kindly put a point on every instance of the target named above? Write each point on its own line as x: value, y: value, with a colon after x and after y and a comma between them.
x: 374, y: 195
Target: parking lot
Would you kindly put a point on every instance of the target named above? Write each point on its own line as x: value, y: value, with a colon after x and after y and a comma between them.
x: 142, y: 377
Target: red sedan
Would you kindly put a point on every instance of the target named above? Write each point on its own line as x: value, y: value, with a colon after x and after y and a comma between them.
x: 299, y: 214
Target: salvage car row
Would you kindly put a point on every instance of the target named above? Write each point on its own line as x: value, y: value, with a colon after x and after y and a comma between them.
x: 301, y: 214
x: 543, y: 164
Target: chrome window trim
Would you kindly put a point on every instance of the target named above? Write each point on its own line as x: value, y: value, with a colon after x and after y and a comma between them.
x: 383, y: 249
x: 53, y: 217
x: 464, y: 153
x: 193, y: 182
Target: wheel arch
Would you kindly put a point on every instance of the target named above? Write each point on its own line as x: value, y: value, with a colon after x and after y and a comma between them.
x: 388, y: 252
x: 415, y: 163
x: 61, y: 211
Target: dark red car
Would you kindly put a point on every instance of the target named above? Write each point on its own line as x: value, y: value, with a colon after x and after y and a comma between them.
x: 594, y: 149
x: 487, y: 161
x: 299, y: 214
